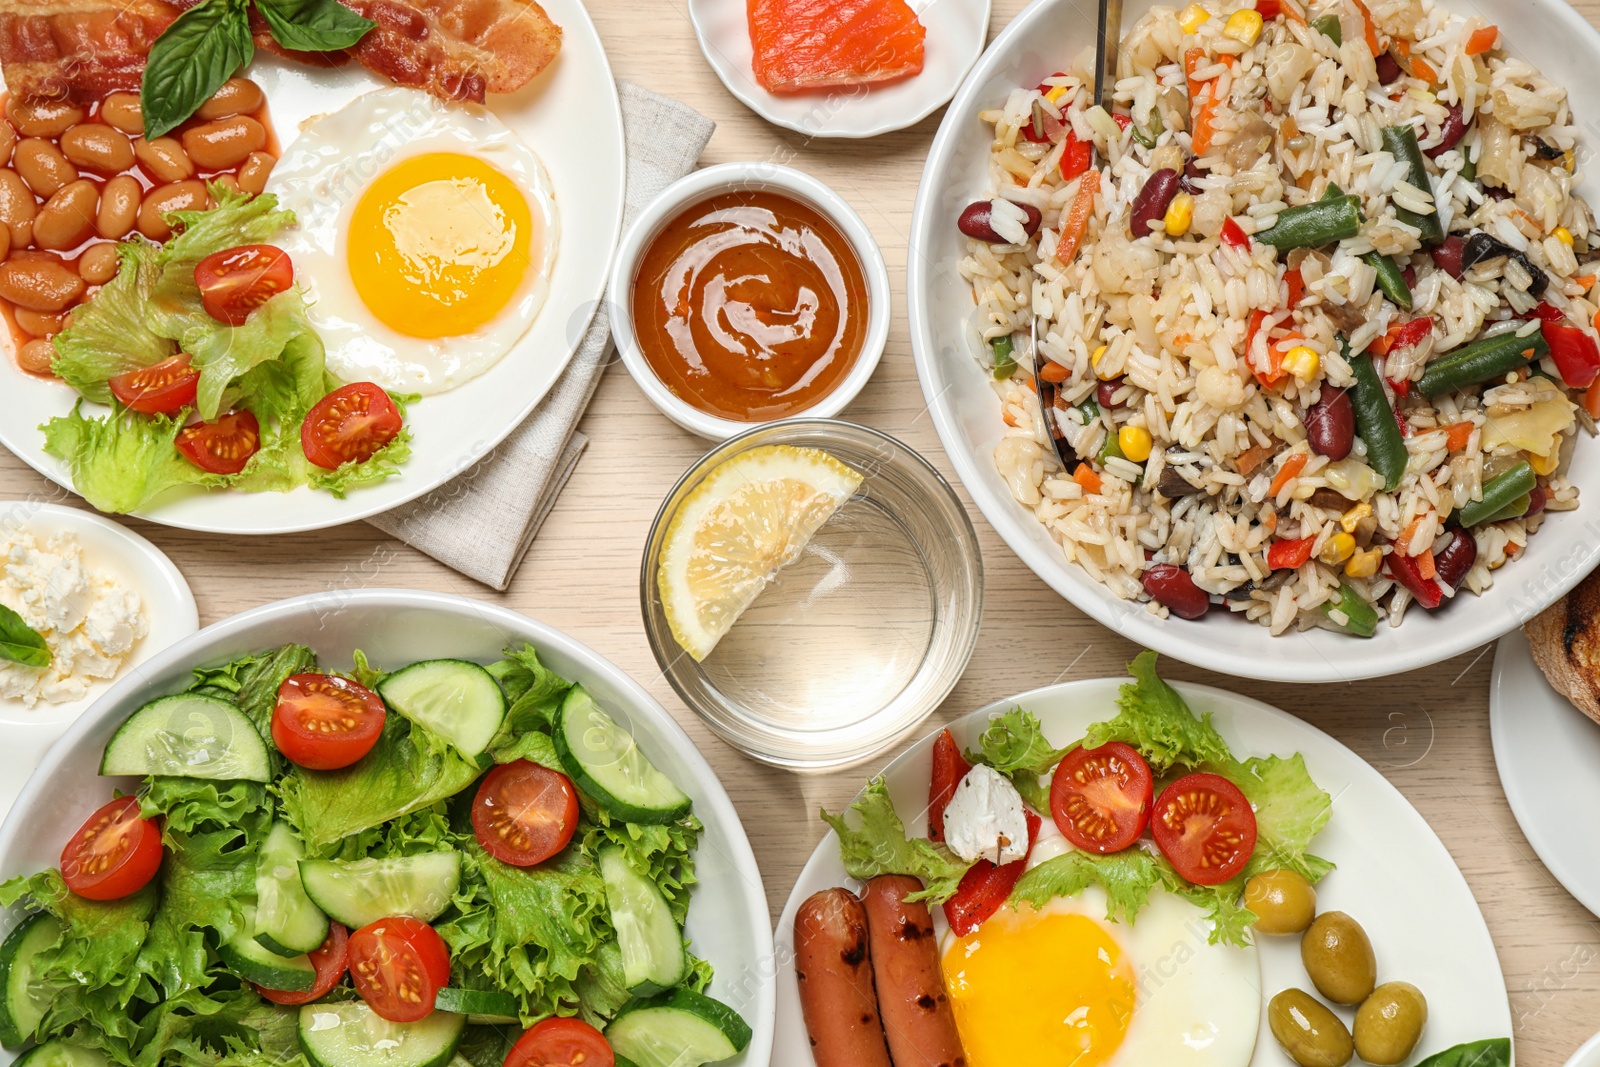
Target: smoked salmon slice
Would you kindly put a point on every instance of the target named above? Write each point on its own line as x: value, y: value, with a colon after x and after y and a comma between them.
x: 802, y: 45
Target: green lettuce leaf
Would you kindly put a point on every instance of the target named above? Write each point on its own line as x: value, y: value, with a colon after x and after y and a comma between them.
x: 661, y: 854
x: 1014, y: 744
x: 222, y: 354
x: 1231, y: 922
x: 122, y: 461
x: 533, y: 690
x: 109, y: 335
x: 1155, y: 720
x: 880, y: 846
x: 1128, y: 877
x: 1291, y: 809
x: 380, y: 466
x: 252, y: 682
x: 188, y: 804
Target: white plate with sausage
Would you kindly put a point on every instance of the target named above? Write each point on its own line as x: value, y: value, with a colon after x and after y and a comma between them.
x: 1393, y: 875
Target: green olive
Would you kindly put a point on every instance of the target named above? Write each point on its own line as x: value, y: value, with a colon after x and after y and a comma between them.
x: 1389, y: 1022
x: 1338, y: 957
x: 1312, y: 1035
x: 1283, y: 901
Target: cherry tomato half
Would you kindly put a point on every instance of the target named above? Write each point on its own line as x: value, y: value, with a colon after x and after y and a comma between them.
x: 949, y: 767
x: 349, y: 425
x: 525, y: 813
x: 223, y: 446
x: 325, y: 722
x: 398, y: 966
x: 329, y: 959
x: 236, y: 281
x: 558, y: 1042
x: 1205, y: 827
x: 1100, y: 797
x: 164, y: 389
x: 114, y: 854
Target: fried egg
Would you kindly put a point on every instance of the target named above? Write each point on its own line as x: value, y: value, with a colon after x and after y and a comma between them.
x: 1064, y: 985
x: 427, y: 232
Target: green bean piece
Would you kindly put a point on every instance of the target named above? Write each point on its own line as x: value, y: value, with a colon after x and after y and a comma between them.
x: 1332, y: 192
x: 1147, y: 138
x: 1401, y: 141
x: 1361, y: 618
x: 1005, y: 357
x: 1311, y: 225
x: 1481, y: 361
x: 1375, y: 422
x: 1328, y: 26
x: 1469, y: 166
x: 1089, y: 408
x: 1390, y: 278
x: 1501, y: 496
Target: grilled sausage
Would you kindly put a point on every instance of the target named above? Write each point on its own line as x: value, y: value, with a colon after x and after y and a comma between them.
x: 835, y: 973
x: 917, y: 1019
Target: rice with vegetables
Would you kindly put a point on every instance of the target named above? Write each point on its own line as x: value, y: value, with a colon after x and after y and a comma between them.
x: 1313, y: 309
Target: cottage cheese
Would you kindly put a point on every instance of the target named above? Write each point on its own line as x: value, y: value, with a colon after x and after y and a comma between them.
x: 90, y: 620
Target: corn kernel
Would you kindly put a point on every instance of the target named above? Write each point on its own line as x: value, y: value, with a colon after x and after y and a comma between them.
x: 1337, y: 549
x: 1302, y: 362
x: 1364, y: 564
x: 1352, y: 518
x: 1244, y: 26
x: 1193, y: 17
x: 1544, y: 466
x: 1134, y: 442
x: 1179, y: 214
x: 1094, y: 361
x: 1564, y: 235
x: 1056, y: 93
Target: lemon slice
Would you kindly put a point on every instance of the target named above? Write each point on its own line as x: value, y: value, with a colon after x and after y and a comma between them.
x: 747, y: 519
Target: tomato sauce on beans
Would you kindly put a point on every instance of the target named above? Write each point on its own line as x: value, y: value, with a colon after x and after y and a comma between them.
x: 74, y: 178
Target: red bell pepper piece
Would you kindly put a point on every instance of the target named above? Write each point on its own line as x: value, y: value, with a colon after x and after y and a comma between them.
x: 1545, y: 313
x: 1122, y: 121
x: 1287, y: 555
x: 1233, y: 234
x: 1076, y: 156
x: 1269, y: 9
x: 985, y: 887
x: 949, y: 767
x: 1448, y: 256
x: 1407, y: 570
x: 1576, y: 354
x: 1297, y: 287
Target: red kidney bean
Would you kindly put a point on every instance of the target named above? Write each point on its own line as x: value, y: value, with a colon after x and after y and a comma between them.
x: 1450, y: 256
x: 1331, y: 423
x: 1452, y: 562
x: 1173, y: 589
x: 1192, y: 173
x: 1151, y: 203
x: 1388, y: 68
x: 1454, y: 128
x: 1537, y: 498
x: 974, y: 222
x: 1106, y: 390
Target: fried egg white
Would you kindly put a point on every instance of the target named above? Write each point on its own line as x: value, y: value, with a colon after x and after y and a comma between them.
x: 427, y: 232
x: 1064, y: 985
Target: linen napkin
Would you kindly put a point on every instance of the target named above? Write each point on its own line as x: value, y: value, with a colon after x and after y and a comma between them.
x: 482, y: 522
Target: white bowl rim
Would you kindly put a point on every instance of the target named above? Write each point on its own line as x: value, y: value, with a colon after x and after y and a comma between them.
x: 707, y: 182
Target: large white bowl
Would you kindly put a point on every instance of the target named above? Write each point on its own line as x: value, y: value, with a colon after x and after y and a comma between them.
x: 728, y: 922
x: 1548, y: 34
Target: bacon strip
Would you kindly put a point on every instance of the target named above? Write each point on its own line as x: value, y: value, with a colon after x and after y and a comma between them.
x: 77, y: 49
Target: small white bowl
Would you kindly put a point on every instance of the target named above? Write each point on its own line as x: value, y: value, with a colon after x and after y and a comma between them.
x: 744, y: 177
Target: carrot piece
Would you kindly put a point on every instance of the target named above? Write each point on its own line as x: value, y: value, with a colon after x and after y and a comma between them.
x: 1585, y: 280
x: 1085, y: 476
x: 1193, y: 58
x: 1253, y: 457
x: 1458, y: 435
x: 1203, y: 128
x: 1402, y: 46
x: 1369, y: 27
x: 1202, y: 104
x: 1402, y: 544
x: 1292, y: 12
x: 1287, y: 473
x: 1297, y: 287
x: 1270, y: 520
x: 1053, y: 371
x: 1481, y: 41
x: 1078, y: 216
x: 1591, y: 398
x: 1420, y: 68
x: 1425, y: 564
x: 1009, y: 419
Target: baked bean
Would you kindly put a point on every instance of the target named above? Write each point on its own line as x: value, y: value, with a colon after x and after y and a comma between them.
x: 238, y: 96
x: 164, y: 158
x: 255, y: 172
x: 67, y: 219
x: 119, y: 207
x: 8, y: 141
x: 39, y: 284
x: 17, y: 208
x: 228, y: 182
x: 224, y: 143
x: 98, y: 264
x: 122, y: 110
x: 5, y: 241
x: 35, y: 357
x: 42, y: 166
x: 96, y: 146
x: 164, y: 199
x: 40, y: 323
x: 43, y: 118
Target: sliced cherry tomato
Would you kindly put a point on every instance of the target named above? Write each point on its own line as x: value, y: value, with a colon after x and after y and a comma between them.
x: 1100, y: 797
x: 398, y: 965
x: 114, y: 854
x: 524, y: 813
x: 325, y: 722
x: 164, y: 389
x: 1205, y: 827
x: 949, y: 767
x: 329, y: 959
x: 223, y: 446
x: 349, y: 425
x: 236, y: 281
x: 560, y: 1042
x: 985, y: 887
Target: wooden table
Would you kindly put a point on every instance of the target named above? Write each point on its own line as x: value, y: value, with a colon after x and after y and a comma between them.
x: 1428, y: 731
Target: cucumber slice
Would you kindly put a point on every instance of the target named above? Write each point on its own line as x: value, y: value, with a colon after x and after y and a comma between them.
x: 359, y: 892
x: 287, y: 923
x: 487, y: 1006
x: 243, y: 955
x: 653, y: 957
x: 681, y: 1028
x: 458, y: 700
x: 605, y: 762
x: 353, y: 1035
x: 22, y: 1001
x: 189, y: 735
x: 62, y: 1054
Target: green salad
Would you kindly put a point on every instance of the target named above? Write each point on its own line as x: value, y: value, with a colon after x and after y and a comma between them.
x: 340, y: 869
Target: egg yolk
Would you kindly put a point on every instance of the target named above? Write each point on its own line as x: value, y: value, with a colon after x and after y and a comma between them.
x: 439, y: 244
x: 1048, y: 989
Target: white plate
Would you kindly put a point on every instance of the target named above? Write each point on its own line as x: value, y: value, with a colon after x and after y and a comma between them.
x: 168, y: 608
x: 966, y: 412
x: 728, y: 911
x: 1546, y: 752
x: 1588, y: 1054
x: 956, y: 32
x: 1394, y: 875
x: 571, y: 117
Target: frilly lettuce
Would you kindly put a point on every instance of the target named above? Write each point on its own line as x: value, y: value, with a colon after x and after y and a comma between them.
x: 122, y: 461
x: 880, y: 846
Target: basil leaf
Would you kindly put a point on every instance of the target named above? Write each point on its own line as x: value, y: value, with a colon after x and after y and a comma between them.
x: 191, y: 59
x: 21, y: 643
x: 313, y: 25
x: 1493, y: 1052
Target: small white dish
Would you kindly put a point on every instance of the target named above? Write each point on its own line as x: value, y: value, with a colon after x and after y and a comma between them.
x: 956, y: 33
x: 1588, y: 1054
x: 168, y: 606
x: 745, y: 177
